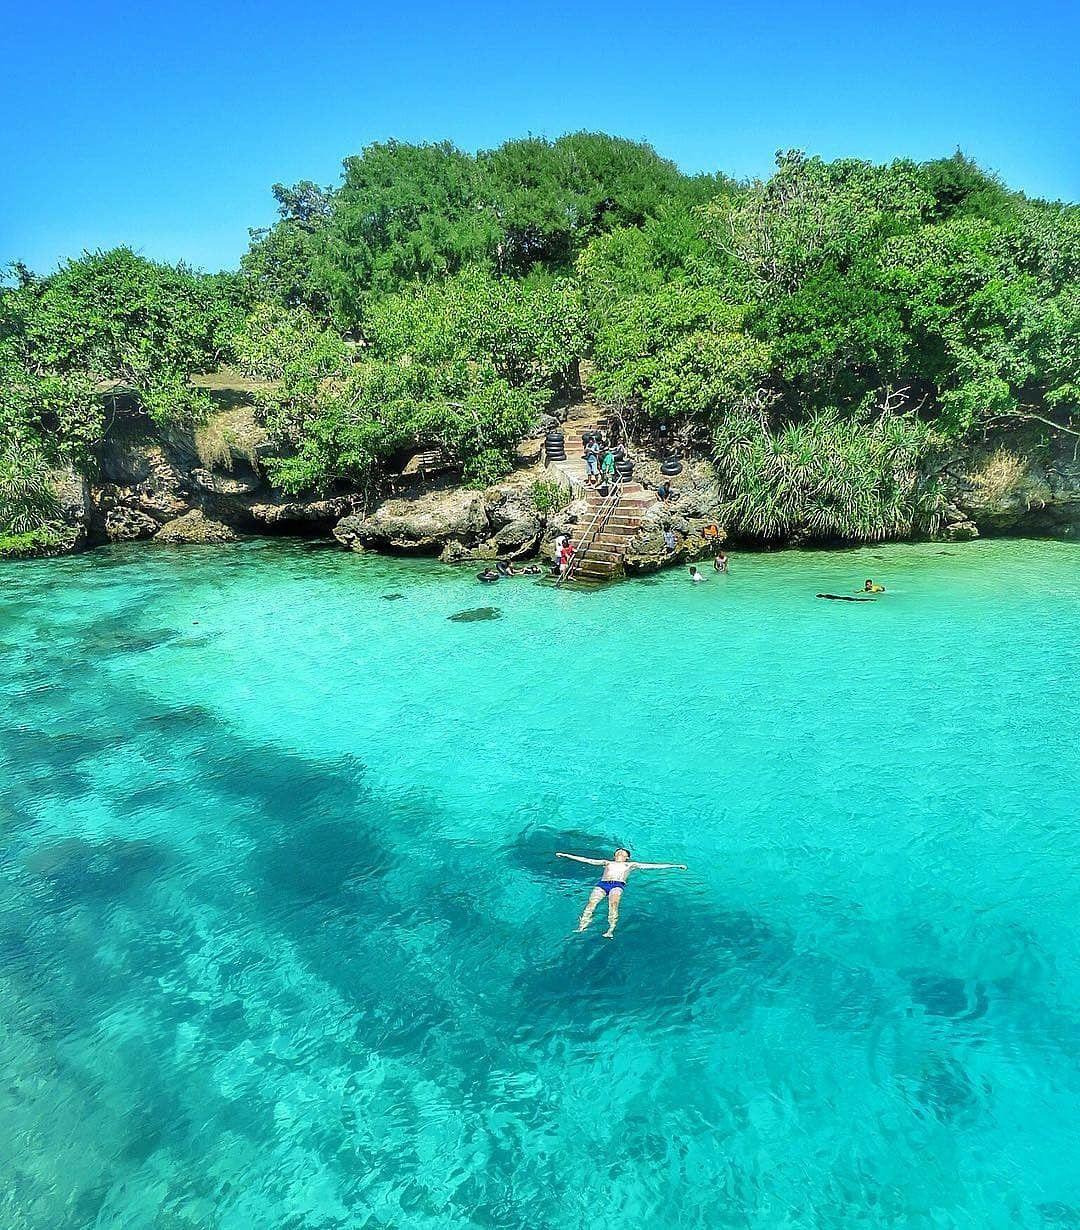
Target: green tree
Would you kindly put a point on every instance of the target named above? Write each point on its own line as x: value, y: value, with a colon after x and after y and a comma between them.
x: 404, y: 213
x: 280, y: 262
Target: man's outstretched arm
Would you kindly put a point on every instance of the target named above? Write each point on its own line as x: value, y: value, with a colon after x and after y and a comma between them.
x: 659, y: 866
x: 595, y: 862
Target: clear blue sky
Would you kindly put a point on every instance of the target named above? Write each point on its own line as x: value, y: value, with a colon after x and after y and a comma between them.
x: 162, y: 124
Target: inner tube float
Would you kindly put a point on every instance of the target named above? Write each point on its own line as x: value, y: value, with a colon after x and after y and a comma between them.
x: 487, y: 576
x: 670, y: 467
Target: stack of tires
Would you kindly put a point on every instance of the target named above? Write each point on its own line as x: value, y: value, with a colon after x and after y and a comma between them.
x: 555, y: 446
x: 624, y: 468
x: 670, y: 466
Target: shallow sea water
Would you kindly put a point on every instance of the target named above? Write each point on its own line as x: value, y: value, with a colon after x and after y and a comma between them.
x: 283, y: 943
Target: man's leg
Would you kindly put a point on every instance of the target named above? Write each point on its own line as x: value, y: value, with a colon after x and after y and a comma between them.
x: 595, y: 897
x: 614, y: 897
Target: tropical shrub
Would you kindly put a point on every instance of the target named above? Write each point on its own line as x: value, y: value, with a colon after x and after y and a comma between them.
x: 28, y: 501
x: 828, y: 478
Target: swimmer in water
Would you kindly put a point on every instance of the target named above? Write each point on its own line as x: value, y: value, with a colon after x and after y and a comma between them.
x: 870, y: 588
x: 612, y: 883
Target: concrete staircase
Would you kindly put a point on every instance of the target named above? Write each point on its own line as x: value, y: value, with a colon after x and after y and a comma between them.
x: 598, y: 556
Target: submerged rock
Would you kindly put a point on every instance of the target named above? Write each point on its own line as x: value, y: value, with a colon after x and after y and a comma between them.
x: 476, y: 614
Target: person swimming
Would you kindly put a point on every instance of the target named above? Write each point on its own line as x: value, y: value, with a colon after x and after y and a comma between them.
x: 612, y: 883
x: 695, y: 576
x: 870, y: 588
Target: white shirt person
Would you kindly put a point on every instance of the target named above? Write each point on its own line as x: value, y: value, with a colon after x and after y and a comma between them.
x: 612, y: 883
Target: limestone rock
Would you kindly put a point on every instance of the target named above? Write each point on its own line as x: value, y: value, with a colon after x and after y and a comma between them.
x: 647, y: 551
x: 519, y: 535
x: 961, y: 531
x: 242, y: 482
x: 123, y: 524
x: 424, y: 524
x: 73, y: 496
x: 195, y: 527
x: 281, y: 512
x: 1017, y: 482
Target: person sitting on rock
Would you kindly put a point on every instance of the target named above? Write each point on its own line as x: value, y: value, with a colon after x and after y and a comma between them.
x: 669, y: 541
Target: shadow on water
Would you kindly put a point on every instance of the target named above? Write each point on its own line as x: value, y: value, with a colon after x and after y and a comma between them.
x: 114, y: 640
x: 945, y: 996
x: 113, y: 870
x: 681, y: 955
x: 945, y: 1091
x: 476, y: 615
x: 533, y: 850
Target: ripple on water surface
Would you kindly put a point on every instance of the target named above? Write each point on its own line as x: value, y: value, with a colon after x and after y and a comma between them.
x: 283, y: 943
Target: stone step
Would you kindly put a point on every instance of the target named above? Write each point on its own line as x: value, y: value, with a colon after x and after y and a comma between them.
x: 616, y: 542
x: 623, y: 509
x: 621, y: 515
x: 626, y: 508
x: 616, y: 524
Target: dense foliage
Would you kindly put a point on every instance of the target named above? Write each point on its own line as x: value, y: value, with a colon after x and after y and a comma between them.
x: 826, y: 330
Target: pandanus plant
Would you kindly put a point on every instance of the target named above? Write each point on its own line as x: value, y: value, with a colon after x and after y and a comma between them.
x: 826, y: 478
x: 27, y: 499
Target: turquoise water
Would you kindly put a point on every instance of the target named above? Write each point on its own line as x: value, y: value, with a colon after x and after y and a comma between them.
x: 282, y: 943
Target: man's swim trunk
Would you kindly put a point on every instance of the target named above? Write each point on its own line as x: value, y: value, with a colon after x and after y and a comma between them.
x: 608, y: 885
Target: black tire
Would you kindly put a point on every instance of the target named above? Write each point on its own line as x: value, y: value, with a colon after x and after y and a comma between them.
x: 556, y: 437
x: 671, y: 467
x: 624, y: 468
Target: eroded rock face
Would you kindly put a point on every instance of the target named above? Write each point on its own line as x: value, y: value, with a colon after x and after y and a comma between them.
x: 648, y: 551
x: 73, y: 495
x: 279, y: 513
x: 195, y: 527
x: 123, y: 524
x: 1016, y: 484
x: 422, y: 525
x: 143, y: 479
x: 237, y: 482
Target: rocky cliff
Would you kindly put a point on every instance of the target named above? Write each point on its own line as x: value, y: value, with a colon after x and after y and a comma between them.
x: 209, y: 486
